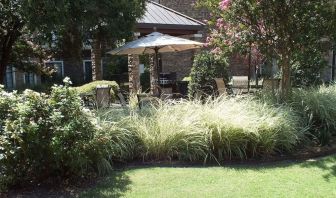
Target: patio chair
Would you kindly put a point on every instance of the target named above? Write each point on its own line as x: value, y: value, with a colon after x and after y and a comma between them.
x: 221, y: 88
x: 240, y: 84
x: 103, y: 96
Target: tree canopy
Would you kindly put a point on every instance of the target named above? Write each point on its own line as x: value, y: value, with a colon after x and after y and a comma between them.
x: 278, y: 29
x: 66, y: 25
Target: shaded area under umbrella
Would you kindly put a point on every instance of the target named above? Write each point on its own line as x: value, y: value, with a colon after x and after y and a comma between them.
x: 156, y: 43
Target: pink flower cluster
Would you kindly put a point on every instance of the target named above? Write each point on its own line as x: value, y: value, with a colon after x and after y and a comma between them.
x: 220, y: 23
x: 224, y: 4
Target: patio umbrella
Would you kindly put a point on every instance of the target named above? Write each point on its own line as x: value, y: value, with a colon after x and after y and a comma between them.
x: 156, y: 43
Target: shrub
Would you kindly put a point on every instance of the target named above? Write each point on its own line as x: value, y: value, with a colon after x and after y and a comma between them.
x: 91, y: 87
x: 206, y: 67
x: 46, y: 135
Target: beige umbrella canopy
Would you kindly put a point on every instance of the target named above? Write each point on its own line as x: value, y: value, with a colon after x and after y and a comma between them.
x: 155, y: 43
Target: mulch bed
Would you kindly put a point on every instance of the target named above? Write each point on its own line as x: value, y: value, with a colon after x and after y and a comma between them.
x: 73, y: 188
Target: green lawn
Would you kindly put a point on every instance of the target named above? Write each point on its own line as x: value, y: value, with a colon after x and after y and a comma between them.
x: 314, y: 178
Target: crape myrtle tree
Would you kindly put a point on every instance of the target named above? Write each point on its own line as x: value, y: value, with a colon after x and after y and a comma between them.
x: 278, y: 29
x: 94, y: 22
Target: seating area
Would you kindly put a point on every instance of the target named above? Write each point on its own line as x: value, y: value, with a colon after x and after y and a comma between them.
x: 239, y: 85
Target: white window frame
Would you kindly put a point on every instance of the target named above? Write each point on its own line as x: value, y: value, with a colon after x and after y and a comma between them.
x: 50, y: 62
x: 89, y: 60
x: 24, y: 77
x: 14, y: 77
x: 13, y: 72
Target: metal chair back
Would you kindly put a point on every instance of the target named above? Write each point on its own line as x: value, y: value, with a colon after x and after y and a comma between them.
x: 240, y: 84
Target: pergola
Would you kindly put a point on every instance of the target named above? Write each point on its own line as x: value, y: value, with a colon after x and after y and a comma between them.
x: 164, y: 20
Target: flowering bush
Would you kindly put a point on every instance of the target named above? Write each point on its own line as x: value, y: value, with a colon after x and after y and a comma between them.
x: 45, y: 135
x: 274, y: 30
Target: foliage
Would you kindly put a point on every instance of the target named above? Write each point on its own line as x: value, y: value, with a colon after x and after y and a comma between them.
x: 316, y: 107
x: 91, y: 87
x: 94, y: 22
x: 277, y: 29
x: 308, y: 64
x: 255, y: 129
x: 217, y: 130
x: 45, y: 135
x: 206, y: 67
x: 18, y: 44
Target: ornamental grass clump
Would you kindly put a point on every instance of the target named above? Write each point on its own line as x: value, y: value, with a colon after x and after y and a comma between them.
x: 196, y: 131
x: 317, y: 108
x: 170, y: 132
x: 242, y: 128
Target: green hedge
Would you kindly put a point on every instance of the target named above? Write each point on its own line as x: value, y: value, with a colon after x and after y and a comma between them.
x: 90, y: 87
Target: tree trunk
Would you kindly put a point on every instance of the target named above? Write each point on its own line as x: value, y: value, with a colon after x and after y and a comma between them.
x: 286, y: 78
x: 72, y: 53
x: 3, y: 65
x: 96, y: 59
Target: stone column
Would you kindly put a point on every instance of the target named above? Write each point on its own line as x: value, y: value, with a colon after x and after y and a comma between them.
x: 133, y: 73
x: 153, y: 75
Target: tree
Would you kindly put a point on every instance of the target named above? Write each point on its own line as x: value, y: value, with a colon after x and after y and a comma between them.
x: 11, y: 27
x: 96, y: 22
x: 107, y: 21
x: 279, y: 29
x: 18, y: 45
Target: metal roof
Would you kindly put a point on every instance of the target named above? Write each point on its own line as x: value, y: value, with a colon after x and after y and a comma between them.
x: 163, y: 17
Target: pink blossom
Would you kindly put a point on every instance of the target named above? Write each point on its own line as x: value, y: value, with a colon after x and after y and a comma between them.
x: 216, y: 50
x: 224, y: 4
x: 220, y: 23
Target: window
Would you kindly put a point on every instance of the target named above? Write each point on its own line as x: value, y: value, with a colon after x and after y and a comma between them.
x: 87, y: 68
x: 58, y: 66
x: 29, y: 79
x: 10, y: 78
